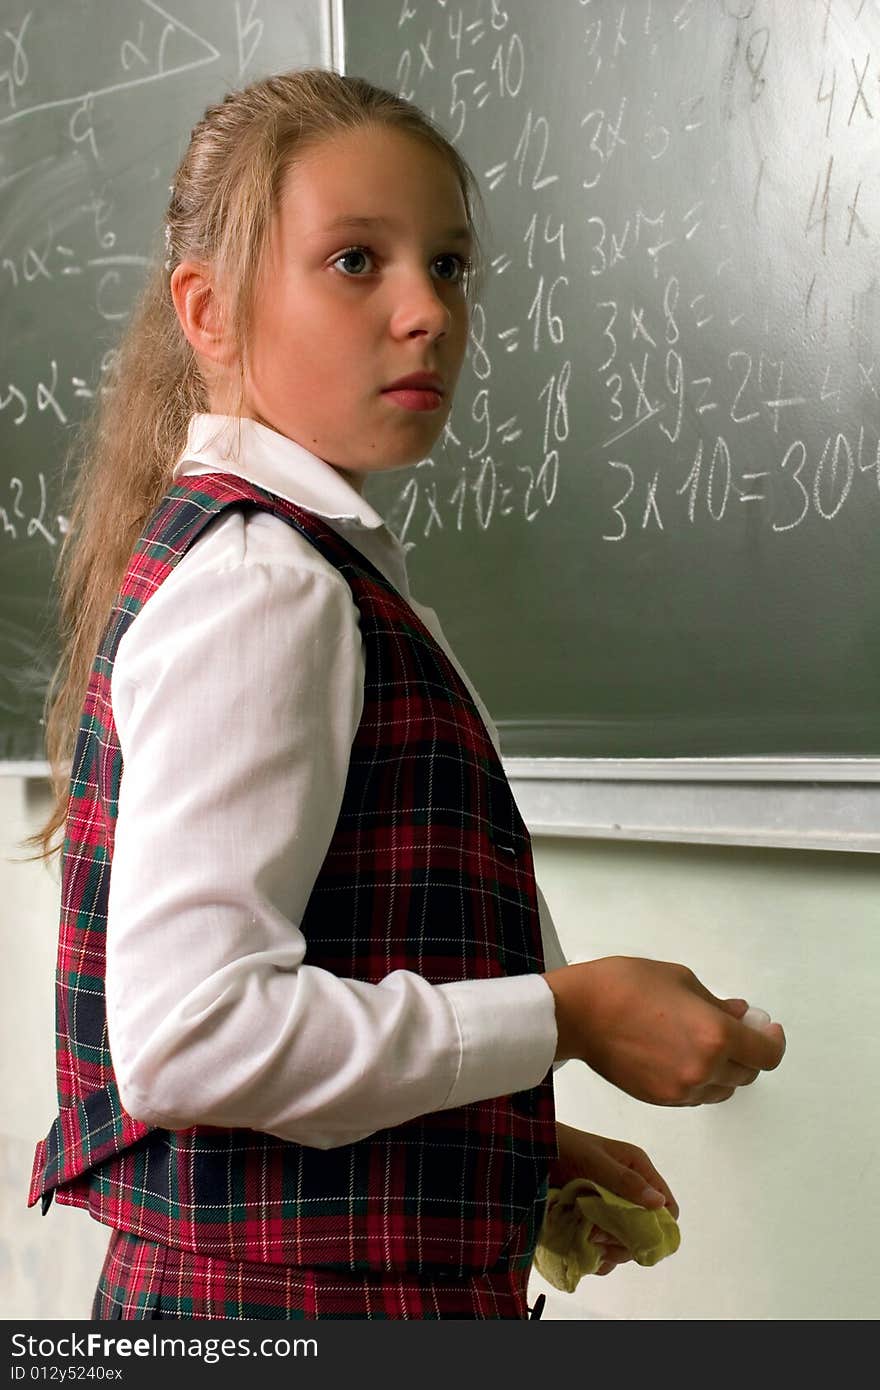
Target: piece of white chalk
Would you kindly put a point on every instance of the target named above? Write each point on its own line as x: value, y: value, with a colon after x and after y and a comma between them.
x: 755, y: 1018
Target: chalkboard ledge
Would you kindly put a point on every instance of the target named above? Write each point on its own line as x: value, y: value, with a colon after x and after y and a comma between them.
x: 783, y: 803
x: 30, y: 771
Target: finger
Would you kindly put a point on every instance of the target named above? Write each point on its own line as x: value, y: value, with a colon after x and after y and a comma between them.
x: 615, y: 1255
x: 761, y: 1049
x: 735, y: 1007
x: 658, y: 1192
x: 732, y: 1074
x: 637, y: 1181
x: 634, y: 1176
x: 730, y: 1006
x: 609, y: 1244
x: 713, y: 1095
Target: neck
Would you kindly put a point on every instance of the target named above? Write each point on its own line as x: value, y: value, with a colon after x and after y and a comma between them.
x: 354, y: 480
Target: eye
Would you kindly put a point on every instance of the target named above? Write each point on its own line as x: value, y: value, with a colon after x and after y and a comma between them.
x: 353, y: 251
x: 461, y: 267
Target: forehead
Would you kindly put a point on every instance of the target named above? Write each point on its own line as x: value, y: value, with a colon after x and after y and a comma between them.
x: 372, y: 173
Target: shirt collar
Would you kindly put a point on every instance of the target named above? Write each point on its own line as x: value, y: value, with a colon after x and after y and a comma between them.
x: 227, y: 444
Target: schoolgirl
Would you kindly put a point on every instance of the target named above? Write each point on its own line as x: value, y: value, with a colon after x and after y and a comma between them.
x: 309, y: 996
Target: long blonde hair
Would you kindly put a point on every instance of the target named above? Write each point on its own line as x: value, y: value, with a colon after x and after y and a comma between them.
x: 223, y: 197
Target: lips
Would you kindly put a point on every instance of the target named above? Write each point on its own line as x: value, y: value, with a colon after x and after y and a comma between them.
x: 414, y: 398
x: 418, y: 381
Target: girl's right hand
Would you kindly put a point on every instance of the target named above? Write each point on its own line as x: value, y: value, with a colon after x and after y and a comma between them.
x: 652, y: 1029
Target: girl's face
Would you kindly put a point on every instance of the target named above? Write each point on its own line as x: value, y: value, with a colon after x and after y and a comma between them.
x: 364, y: 284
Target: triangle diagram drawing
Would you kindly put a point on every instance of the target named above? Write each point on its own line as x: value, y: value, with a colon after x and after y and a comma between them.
x: 165, y: 47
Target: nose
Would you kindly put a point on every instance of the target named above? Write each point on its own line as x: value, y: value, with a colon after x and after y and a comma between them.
x: 420, y: 309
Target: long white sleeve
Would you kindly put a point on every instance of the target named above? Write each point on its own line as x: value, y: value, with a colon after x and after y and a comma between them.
x: 236, y: 693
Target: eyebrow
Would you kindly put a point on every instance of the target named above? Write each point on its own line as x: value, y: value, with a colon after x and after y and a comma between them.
x: 352, y: 220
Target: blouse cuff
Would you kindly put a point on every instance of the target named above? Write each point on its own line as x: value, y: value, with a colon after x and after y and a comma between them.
x: 508, y: 1035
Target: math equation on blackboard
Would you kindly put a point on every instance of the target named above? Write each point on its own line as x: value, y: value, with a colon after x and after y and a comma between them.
x: 96, y: 101
x: 679, y: 322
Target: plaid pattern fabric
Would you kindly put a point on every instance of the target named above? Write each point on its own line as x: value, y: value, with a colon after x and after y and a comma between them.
x: 141, y: 1280
x: 429, y: 869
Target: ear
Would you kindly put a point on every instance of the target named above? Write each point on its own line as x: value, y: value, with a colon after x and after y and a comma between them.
x: 200, y: 312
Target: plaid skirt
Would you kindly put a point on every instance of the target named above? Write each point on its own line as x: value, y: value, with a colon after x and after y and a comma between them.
x: 141, y: 1280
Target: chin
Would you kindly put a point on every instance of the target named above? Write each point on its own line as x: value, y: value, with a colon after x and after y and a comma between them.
x: 404, y: 455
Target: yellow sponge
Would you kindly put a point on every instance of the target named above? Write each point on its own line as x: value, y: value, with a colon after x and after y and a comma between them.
x: 564, y: 1252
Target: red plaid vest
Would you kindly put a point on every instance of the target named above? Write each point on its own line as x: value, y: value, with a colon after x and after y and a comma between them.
x: 429, y: 868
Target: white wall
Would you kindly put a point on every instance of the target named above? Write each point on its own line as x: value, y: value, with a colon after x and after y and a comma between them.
x: 776, y: 1187
x: 48, y: 1265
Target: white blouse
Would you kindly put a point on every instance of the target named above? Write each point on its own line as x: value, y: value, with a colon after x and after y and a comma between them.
x: 237, y: 693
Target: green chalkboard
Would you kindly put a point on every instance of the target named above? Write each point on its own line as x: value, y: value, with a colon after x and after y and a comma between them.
x: 97, y: 98
x: 651, y: 528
